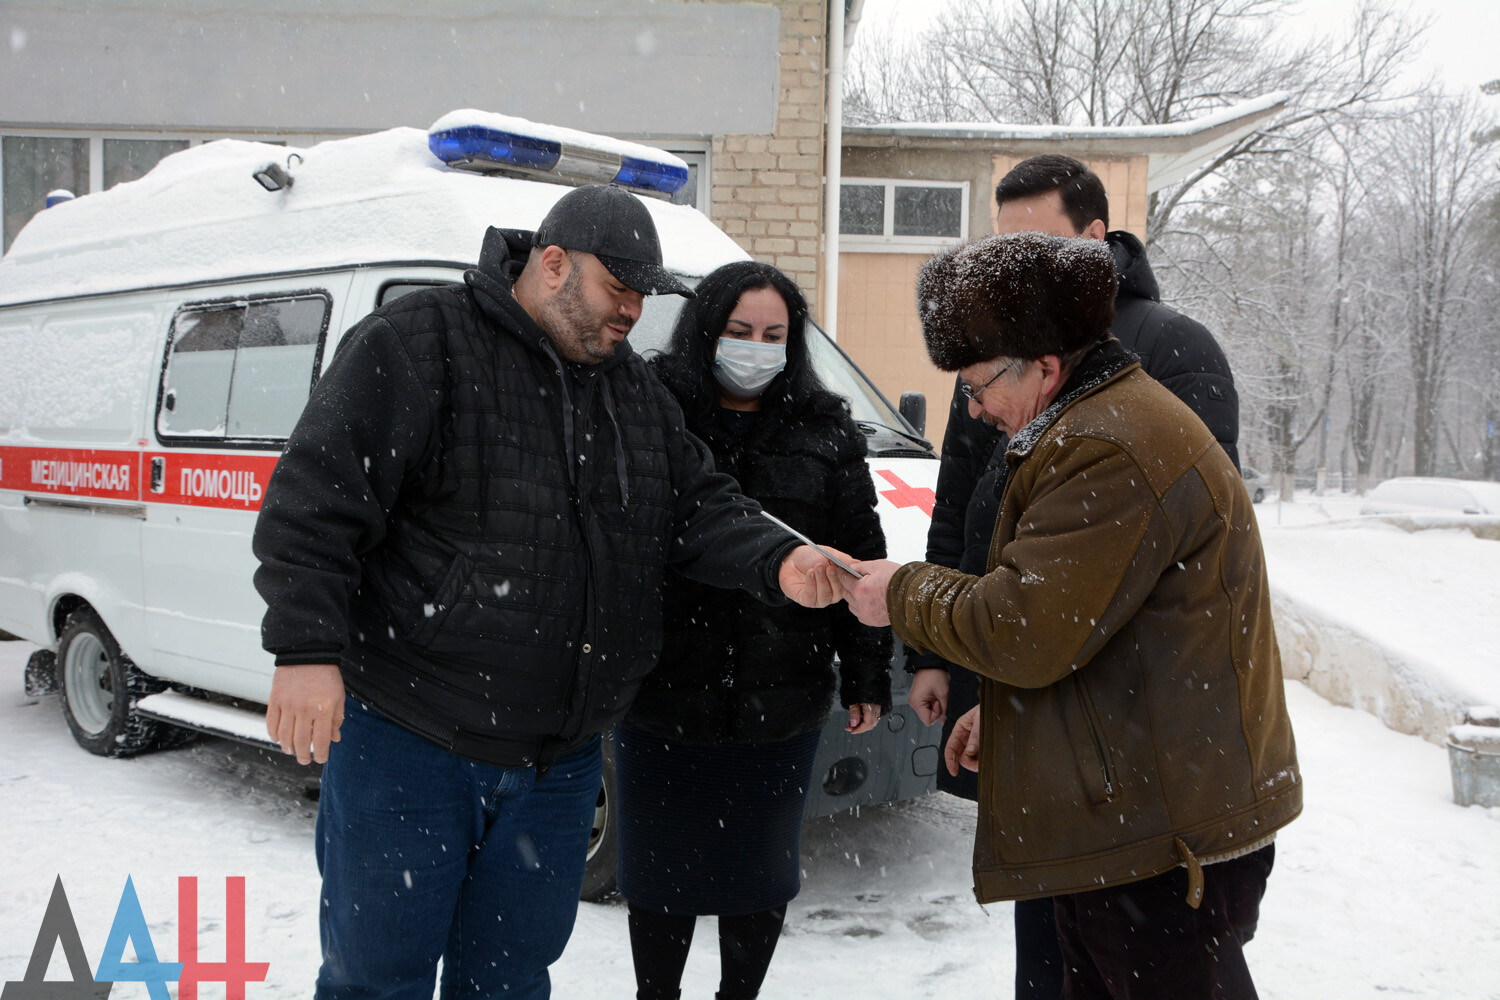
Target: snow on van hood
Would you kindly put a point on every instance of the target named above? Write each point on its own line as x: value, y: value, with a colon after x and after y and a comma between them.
x: 200, y: 216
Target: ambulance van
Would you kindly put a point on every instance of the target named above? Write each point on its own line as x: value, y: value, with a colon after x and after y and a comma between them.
x: 158, y: 341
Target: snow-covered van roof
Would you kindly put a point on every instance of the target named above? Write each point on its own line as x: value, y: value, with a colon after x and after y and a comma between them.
x: 379, y: 198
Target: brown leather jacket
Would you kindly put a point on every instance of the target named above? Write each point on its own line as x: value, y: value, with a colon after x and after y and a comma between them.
x: 1132, y: 710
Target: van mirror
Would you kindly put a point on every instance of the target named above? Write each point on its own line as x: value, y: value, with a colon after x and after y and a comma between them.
x: 914, y: 409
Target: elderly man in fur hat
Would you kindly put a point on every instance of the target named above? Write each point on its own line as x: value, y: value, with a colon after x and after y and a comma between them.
x: 1134, y: 753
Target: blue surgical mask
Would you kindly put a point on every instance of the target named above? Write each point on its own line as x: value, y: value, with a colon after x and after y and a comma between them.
x: 744, y: 368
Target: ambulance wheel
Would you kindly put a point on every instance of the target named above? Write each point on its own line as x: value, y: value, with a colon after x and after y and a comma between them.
x: 100, y: 686
x: 604, y: 838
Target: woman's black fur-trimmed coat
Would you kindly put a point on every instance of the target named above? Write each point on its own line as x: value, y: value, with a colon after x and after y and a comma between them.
x: 734, y: 670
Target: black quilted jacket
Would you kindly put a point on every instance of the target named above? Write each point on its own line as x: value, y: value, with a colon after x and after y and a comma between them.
x: 734, y: 670
x: 478, y: 532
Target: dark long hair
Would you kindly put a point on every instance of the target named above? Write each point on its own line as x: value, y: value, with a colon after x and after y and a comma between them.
x: 685, y: 366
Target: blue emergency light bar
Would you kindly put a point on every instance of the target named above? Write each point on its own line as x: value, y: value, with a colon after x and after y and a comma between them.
x: 490, y: 150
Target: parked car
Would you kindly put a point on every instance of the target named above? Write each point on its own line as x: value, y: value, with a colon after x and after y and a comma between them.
x: 1423, y: 494
x: 1255, y: 484
x: 158, y: 341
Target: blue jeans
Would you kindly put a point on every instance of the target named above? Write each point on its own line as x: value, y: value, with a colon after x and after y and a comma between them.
x: 427, y: 855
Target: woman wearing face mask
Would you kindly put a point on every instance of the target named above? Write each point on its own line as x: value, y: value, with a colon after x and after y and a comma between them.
x: 714, y: 761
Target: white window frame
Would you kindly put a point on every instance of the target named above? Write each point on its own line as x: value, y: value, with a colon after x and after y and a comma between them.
x: 888, y: 242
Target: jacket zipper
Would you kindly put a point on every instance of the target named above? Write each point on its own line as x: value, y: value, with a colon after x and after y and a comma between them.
x: 585, y: 650
x: 571, y: 726
x: 1100, y: 746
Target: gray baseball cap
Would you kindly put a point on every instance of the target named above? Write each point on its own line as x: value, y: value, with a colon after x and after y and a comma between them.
x: 612, y: 224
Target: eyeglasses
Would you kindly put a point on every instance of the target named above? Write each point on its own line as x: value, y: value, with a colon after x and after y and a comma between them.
x: 973, y: 394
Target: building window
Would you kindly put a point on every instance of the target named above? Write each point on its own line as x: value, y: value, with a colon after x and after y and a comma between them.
x: 688, y: 193
x: 928, y: 211
x: 694, y: 193
x: 862, y: 210
x: 902, y: 216
x: 128, y: 159
x: 33, y: 165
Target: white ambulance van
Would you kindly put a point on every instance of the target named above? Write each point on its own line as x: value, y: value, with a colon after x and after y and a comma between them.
x: 158, y: 341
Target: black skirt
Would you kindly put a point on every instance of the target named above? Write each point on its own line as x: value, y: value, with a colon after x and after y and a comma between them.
x: 711, y: 829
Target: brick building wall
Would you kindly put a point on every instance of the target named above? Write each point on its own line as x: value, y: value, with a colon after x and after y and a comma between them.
x: 767, y: 190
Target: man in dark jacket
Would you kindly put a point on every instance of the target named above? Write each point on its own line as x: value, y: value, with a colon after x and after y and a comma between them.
x: 1060, y: 196
x: 462, y: 552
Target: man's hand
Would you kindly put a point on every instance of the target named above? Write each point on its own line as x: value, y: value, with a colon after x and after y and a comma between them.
x: 866, y: 596
x: 306, y: 710
x: 862, y: 718
x: 811, y: 580
x: 929, y: 694
x: 963, y: 745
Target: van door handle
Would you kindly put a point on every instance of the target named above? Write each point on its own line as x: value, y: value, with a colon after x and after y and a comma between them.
x: 158, y: 475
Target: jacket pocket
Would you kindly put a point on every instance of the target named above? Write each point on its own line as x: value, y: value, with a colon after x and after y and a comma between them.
x: 1091, y: 751
x: 435, y: 611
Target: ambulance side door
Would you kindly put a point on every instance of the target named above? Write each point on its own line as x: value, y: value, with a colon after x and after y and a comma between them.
x: 237, y: 367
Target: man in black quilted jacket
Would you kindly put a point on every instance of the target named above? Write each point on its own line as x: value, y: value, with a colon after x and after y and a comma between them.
x: 1060, y: 196
x: 462, y: 551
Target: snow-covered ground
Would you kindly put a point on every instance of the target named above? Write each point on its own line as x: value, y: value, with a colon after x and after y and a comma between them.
x: 1382, y: 887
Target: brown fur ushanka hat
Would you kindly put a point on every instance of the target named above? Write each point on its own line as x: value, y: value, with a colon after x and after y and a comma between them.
x: 1022, y: 295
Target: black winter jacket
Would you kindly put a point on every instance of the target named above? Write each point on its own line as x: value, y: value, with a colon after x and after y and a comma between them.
x: 1178, y: 352
x: 478, y: 531
x: 734, y: 670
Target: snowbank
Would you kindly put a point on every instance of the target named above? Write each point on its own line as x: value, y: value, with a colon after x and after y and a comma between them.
x: 1348, y: 667
x: 1402, y: 623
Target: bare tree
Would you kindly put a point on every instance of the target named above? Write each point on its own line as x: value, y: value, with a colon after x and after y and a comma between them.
x: 1363, y: 312
x: 1429, y: 194
x: 894, y: 78
x: 1347, y: 84
x: 1489, y: 320
x: 1099, y: 62
x: 1371, y: 365
x: 1272, y: 279
x: 1470, y: 416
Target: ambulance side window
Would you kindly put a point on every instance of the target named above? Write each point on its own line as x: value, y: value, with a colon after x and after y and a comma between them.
x: 241, y: 370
